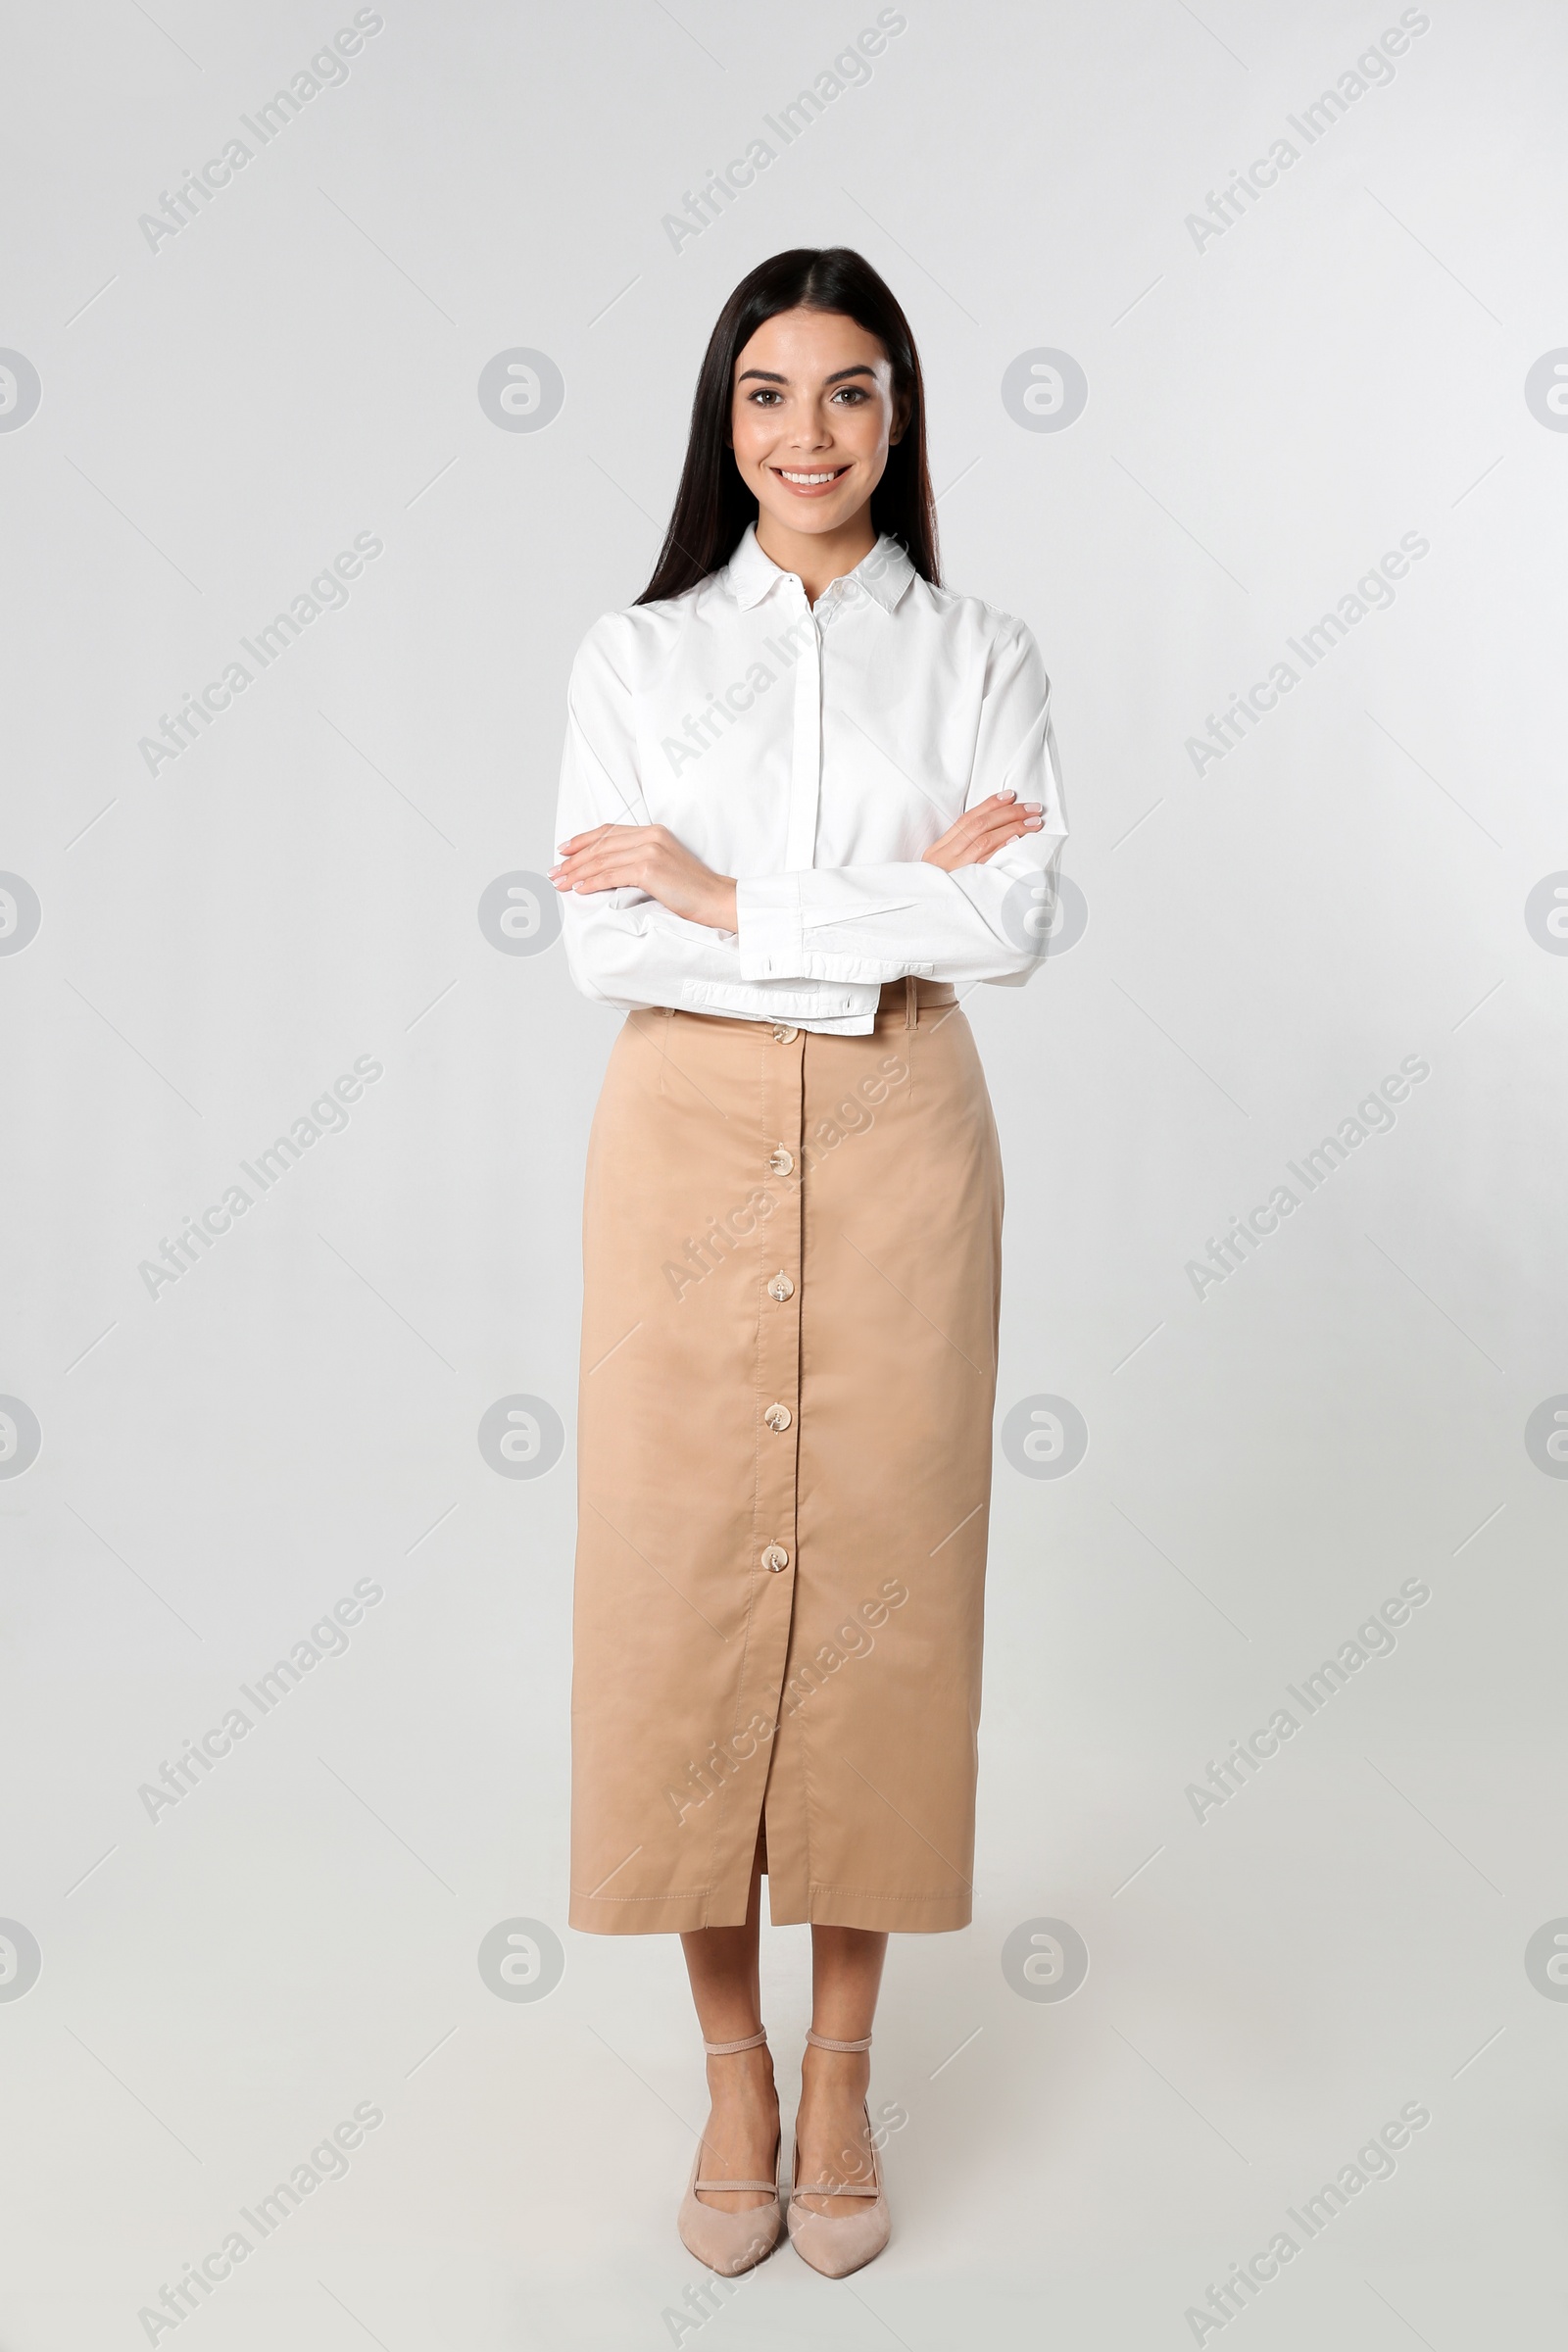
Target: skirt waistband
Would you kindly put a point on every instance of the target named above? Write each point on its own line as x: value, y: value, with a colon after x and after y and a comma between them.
x: 902, y: 999
x: 926, y: 992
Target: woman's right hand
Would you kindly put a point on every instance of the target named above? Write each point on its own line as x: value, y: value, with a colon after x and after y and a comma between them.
x: 983, y: 830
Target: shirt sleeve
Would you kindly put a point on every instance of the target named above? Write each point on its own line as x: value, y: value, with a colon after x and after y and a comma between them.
x: 622, y: 946
x: 871, y: 923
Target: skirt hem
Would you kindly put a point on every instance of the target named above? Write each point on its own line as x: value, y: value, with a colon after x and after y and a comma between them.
x: 825, y: 1907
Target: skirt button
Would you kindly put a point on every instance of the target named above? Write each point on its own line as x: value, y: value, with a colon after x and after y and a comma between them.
x: 781, y: 1161
x: 776, y: 1556
x: 781, y: 1286
x: 778, y: 1417
x: 783, y: 1035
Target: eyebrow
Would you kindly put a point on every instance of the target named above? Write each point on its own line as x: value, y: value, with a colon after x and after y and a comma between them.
x: 767, y: 377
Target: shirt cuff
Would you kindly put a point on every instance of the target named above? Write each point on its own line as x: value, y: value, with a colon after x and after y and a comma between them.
x: 769, y: 926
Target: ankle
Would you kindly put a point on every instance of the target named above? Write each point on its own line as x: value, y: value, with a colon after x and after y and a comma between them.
x: 835, y: 2072
x: 746, y: 2075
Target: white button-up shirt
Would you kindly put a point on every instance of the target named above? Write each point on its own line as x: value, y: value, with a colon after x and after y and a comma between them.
x: 814, y: 754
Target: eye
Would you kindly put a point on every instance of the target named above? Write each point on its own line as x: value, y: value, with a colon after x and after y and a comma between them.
x: 855, y: 394
x: 764, y: 396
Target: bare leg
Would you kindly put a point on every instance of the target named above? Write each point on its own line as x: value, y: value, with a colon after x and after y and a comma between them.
x: 830, y: 2129
x: 740, y: 2141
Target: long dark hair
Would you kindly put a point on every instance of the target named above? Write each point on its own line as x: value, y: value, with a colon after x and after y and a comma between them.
x: 712, y: 506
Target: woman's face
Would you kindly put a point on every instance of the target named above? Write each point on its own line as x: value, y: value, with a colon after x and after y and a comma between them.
x: 813, y: 416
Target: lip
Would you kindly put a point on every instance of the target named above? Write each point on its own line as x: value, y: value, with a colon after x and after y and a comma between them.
x: 810, y: 489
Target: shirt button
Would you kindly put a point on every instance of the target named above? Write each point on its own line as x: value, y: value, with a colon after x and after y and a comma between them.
x: 781, y: 1161
x: 783, y: 1035
x: 776, y: 1556
x: 781, y: 1286
x: 778, y: 1417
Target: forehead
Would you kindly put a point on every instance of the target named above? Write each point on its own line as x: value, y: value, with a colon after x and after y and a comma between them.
x: 804, y: 345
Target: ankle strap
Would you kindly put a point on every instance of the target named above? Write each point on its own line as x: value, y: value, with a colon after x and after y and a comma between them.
x: 726, y: 2049
x: 820, y: 2041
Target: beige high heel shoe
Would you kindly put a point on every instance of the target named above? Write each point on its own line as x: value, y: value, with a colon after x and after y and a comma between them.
x: 730, y: 2242
x: 836, y: 2247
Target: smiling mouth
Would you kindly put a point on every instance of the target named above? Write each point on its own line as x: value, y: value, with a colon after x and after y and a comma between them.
x: 816, y: 478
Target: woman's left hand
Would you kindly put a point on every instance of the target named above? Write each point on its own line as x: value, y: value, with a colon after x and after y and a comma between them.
x: 647, y: 858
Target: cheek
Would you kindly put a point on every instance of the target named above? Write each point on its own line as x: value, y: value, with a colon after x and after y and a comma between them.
x: 865, y: 429
x: 749, y: 434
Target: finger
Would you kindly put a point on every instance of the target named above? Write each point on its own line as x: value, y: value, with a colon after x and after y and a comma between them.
x: 612, y: 843
x: 1001, y: 808
x: 614, y: 867
x: 967, y: 829
x: 597, y: 873
x: 1006, y: 829
x: 998, y: 838
x: 592, y: 869
x: 1016, y: 817
x: 582, y: 841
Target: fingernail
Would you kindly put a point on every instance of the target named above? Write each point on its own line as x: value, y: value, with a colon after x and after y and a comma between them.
x: 1034, y: 824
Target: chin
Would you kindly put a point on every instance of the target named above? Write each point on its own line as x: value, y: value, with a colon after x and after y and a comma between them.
x: 812, y: 514
x: 812, y: 521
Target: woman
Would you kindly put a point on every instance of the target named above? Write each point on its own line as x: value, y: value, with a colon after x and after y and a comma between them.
x: 805, y: 790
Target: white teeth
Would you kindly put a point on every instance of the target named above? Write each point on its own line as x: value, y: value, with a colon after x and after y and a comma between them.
x: 811, y: 478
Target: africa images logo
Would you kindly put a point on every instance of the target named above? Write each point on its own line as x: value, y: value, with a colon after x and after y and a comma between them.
x: 19, y: 390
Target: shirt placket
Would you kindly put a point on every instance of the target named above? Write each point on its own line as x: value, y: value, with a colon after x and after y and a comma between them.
x: 806, y: 758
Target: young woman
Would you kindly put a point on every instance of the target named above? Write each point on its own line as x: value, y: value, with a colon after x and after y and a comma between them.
x: 807, y: 789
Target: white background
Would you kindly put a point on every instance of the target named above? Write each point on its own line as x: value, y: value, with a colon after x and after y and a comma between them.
x: 1266, y: 416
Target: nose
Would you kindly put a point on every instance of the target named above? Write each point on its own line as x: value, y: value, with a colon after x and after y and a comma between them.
x: 811, y: 432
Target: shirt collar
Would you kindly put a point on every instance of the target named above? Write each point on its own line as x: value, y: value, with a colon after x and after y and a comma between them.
x: 883, y: 575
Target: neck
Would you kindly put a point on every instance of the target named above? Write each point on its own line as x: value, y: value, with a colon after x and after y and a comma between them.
x: 817, y: 558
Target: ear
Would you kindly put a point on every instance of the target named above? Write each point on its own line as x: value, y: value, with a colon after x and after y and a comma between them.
x: 901, y: 408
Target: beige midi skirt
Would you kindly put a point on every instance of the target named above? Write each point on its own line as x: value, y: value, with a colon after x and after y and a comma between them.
x: 792, y: 1249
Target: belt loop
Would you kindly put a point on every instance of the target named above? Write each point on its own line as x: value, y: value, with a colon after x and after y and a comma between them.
x: 912, y: 1000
